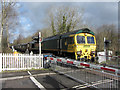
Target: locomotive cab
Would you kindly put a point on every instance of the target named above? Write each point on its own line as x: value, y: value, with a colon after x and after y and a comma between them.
x: 85, y: 46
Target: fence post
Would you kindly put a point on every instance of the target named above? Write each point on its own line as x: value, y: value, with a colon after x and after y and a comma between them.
x: 0, y: 62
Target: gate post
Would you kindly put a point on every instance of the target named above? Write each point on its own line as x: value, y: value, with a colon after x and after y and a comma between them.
x: 0, y: 62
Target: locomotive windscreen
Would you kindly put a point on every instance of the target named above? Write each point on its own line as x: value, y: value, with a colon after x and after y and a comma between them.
x: 90, y: 40
x: 80, y: 39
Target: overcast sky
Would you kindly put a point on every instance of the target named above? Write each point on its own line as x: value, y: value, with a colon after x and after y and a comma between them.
x: 32, y: 14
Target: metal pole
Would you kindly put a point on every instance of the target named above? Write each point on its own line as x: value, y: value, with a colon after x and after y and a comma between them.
x: 0, y: 62
x: 105, y: 48
x: 40, y: 43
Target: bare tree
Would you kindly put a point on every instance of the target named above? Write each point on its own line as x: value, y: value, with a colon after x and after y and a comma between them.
x: 19, y: 39
x: 110, y: 33
x: 8, y: 15
x: 64, y: 19
x: 45, y: 32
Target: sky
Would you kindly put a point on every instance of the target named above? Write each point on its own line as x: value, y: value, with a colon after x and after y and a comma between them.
x: 32, y: 14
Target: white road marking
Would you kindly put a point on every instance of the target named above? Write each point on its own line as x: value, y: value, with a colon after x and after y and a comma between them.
x: 79, y: 86
x: 20, y: 77
x: 36, y: 82
x: 11, y: 78
x: 94, y: 83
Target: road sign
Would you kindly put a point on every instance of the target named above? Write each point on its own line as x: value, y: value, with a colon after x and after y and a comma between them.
x: 40, y: 39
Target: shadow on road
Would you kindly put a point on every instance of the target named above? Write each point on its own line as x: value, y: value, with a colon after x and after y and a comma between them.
x: 55, y: 85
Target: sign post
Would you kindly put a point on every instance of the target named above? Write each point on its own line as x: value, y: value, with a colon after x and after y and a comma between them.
x: 0, y: 62
x: 40, y: 43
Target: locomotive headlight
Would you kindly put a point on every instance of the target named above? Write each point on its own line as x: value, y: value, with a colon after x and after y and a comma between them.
x: 79, y: 52
x: 93, y: 52
x: 76, y: 46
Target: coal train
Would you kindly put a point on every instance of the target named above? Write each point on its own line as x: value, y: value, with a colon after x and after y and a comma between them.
x: 79, y: 44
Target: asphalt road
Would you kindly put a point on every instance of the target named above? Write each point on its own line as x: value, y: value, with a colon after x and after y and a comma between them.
x: 90, y: 77
x: 39, y: 79
x: 47, y: 79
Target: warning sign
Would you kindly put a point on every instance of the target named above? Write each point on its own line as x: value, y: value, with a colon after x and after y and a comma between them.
x: 40, y: 39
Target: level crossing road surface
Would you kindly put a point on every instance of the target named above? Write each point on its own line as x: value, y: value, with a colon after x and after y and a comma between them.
x: 94, y: 78
x: 37, y: 79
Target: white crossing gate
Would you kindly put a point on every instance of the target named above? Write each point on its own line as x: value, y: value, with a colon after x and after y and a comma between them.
x: 20, y: 61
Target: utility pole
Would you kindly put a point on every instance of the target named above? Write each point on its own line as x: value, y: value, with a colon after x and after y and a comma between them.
x: 40, y: 43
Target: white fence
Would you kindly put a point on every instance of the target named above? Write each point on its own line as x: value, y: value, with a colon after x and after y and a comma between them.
x: 20, y: 61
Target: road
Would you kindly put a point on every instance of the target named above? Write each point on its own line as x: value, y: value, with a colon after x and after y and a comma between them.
x: 90, y: 77
x: 37, y: 79
x: 47, y: 79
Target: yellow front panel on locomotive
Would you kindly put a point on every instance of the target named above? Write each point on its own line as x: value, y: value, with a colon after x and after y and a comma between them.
x: 85, y: 46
